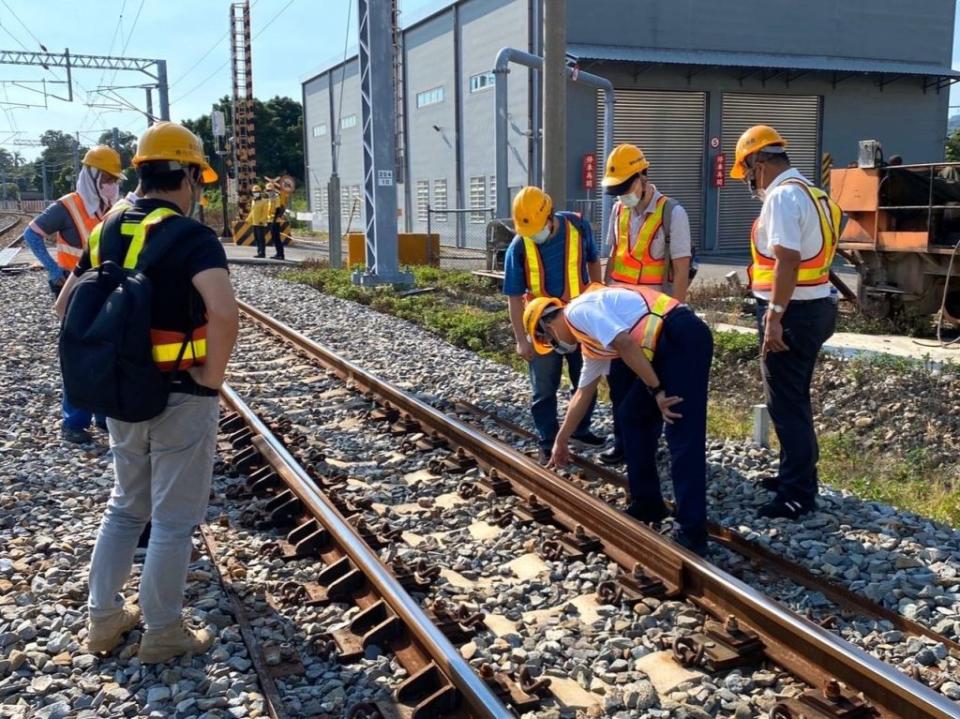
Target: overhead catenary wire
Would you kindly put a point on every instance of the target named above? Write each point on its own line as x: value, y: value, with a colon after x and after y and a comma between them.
x: 343, y: 77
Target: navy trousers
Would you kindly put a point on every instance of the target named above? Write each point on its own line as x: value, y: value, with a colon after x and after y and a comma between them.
x: 546, y: 372
x: 620, y: 380
x: 682, y: 362
x: 786, y: 387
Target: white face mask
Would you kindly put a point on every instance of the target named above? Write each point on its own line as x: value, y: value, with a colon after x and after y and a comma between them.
x: 542, y: 236
x: 629, y: 200
x: 110, y: 192
x: 564, y: 348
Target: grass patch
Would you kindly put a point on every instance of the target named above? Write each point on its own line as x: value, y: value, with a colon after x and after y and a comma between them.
x: 911, y: 482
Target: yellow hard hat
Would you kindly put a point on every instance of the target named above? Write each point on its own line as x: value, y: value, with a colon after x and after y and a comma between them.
x: 255, y: 188
x: 531, y: 319
x: 624, y: 162
x: 751, y: 141
x: 104, y: 158
x: 171, y: 142
x: 532, y: 208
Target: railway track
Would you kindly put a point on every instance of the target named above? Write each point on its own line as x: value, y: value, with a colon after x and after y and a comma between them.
x: 8, y: 249
x: 741, y: 625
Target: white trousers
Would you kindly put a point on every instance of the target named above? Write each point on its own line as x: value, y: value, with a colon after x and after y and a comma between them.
x: 163, y: 470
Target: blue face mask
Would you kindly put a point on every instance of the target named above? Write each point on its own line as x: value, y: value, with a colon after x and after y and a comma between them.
x: 542, y: 236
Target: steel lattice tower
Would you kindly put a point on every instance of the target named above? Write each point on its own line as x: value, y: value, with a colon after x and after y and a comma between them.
x: 244, y: 145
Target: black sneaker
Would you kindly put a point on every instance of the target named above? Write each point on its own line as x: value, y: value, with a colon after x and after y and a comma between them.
x: 587, y: 439
x: 614, y: 455
x: 75, y: 436
x: 771, y: 484
x: 786, y: 508
x: 648, y: 515
x: 697, y: 546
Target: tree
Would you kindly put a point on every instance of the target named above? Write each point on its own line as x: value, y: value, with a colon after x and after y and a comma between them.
x: 953, y: 146
x: 127, y: 149
x: 58, y: 152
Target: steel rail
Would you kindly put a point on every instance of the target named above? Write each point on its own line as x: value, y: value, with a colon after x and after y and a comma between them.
x: 481, y: 700
x: 754, y: 551
x: 808, y: 651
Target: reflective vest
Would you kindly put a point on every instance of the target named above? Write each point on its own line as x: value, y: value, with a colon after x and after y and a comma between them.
x: 814, y: 270
x: 536, y: 278
x: 638, y: 266
x: 646, y: 331
x: 166, y: 344
x: 68, y: 254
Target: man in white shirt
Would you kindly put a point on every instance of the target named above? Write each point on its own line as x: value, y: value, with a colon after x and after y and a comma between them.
x: 650, y: 246
x: 668, y: 349
x: 793, y: 243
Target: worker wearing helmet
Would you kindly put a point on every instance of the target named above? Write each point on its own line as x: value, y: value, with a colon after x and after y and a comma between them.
x: 163, y: 466
x: 551, y: 256
x: 650, y: 246
x: 70, y: 220
x: 793, y: 244
x: 275, y: 210
x: 257, y: 219
x: 669, y: 350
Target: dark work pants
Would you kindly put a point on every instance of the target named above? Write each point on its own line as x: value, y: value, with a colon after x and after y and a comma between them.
x: 546, y: 372
x: 260, y: 239
x: 682, y: 363
x: 277, y: 242
x: 620, y: 380
x: 786, y: 386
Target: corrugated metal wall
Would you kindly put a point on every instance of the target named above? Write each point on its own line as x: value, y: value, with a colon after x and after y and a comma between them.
x: 669, y: 127
x: 797, y: 118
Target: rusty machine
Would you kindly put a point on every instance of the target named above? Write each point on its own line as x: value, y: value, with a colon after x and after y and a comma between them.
x: 902, y: 233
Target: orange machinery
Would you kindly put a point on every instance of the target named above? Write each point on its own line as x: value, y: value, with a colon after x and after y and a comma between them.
x: 903, y: 227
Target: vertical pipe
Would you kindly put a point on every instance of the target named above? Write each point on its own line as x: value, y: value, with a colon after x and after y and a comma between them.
x: 606, y: 204
x: 536, y: 97
x: 501, y: 73
x: 333, y: 187
x: 402, y: 109
x: 555, y: 101
x: 460, y: 217
x: 162, y: 89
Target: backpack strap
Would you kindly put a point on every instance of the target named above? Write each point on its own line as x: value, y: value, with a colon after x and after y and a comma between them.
x: 668, y: 208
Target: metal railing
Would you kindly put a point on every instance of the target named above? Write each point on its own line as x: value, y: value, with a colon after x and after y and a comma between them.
x: 25, y: 205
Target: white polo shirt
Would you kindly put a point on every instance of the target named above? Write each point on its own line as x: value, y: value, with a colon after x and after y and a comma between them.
x: 790, y: 219
x: 603, y: 315
x: 680, y: 245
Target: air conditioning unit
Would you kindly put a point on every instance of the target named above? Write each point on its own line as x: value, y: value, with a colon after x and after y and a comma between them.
x: 871, y: 154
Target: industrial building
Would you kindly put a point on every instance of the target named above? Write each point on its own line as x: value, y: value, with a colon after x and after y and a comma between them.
x: 689, y: 77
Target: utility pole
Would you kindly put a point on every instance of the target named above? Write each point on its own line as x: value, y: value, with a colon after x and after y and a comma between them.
x: 334, y: 230
x: 46, y: 189
x: 149, y: 106
x: 115, y: 138
x: 555, y: 101
x: 76, y: 158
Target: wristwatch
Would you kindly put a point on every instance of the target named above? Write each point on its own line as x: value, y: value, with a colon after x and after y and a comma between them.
x: 654, y: 391
x: 778, y: 309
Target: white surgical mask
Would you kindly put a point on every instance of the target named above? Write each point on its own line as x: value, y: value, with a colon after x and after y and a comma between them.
x: 110, y: 192
x: 629, y: 200
x: 542, y: 236
x: 564, y: 348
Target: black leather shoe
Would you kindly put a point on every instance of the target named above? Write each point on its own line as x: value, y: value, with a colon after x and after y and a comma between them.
x: 614, y: 455
x: 648, y: 515
x: 786, y: 508
x: 771, y: 484
x: 697, y: 546
x: 587, y: 439
x: 75, y: 436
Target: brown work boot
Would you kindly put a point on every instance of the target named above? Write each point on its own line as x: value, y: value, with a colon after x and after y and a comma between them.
x: 104, y: 633
x: 160, y: 645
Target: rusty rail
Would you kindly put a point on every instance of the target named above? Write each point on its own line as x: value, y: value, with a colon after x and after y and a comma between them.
x: 426, y: 647
x: 808, y: 651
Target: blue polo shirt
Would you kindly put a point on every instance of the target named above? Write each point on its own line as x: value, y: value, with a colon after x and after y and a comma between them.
x: 553, y: 254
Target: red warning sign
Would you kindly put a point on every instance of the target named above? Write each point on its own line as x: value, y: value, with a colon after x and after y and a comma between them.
x: 719, y: 170
x: 589, y: 171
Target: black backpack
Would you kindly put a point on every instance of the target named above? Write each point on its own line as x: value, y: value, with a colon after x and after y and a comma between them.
x: 105, y: 349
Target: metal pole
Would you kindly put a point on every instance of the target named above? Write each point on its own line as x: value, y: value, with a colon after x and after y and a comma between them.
x: 46, y: 189
x: 555, y: 101
x: 334, y: 231
x: 162, y: 89
x: 223, y: 196
x: 115, y: 138
x: 500, y: 128
x: 149, y: 106
x: 66, y: 62
x: 535, y: 175
x: 76, y: 158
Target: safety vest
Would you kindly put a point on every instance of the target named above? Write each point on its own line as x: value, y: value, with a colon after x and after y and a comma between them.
x: 536, y: 278
x: 166, y: 345
x: 638, y: 266
x: 68, y: 254
x: 814, y: 270
x: 646, y: 331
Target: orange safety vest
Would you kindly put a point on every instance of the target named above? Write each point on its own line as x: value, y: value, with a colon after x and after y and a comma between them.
x: 814, y: 270
x: 638, y: 266
x: 536, y: 279
x: 646, y: 330
x: 166, y: 345
x: 68, y: 254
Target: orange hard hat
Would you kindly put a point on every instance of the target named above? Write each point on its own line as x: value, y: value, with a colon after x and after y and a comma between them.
x: 751, y: 141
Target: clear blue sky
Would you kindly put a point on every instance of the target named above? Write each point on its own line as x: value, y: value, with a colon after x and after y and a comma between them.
x: 291, y: 37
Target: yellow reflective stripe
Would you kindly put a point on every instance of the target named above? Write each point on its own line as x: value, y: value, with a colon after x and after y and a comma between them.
x: 170, y: 352
x: 534, y: 271
x: 68, y: 249
x: 138, y: 231
x: 574, y: 283
x: 94, y: 246
x: 647, y: 270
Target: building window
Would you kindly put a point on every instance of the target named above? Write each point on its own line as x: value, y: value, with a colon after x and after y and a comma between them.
x: 493, y: 191
x: 320, y: 130
x: 430, y: 97
x: 423, y: 199
x: 440, y: 200
x: 478, y: 198
x: 348, y: 122
x: 483, y: 81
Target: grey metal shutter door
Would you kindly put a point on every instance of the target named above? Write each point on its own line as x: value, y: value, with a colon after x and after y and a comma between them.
x: 669, y: 127
x: 797, y: 118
